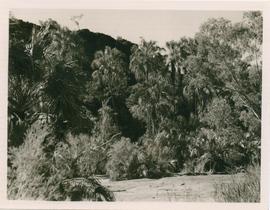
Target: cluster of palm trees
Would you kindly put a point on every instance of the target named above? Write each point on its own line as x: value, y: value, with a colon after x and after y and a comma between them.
x: 200, y: 98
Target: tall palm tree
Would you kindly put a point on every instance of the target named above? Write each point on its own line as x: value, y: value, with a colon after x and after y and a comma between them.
x: 146, y: 59
x: 148, y: 65
x: 110, y: 75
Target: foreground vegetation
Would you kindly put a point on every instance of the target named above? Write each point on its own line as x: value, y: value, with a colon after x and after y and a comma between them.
x: 246, y: 189
x: 81, y: 105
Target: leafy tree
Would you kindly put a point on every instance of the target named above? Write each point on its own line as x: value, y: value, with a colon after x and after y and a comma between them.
x: 220, y: 74
x: 225, y: 65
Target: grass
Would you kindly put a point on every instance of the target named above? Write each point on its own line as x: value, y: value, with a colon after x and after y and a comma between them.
x: 245, y: 189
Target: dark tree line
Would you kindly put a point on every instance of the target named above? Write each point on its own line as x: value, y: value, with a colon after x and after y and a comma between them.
x: 83, y: 103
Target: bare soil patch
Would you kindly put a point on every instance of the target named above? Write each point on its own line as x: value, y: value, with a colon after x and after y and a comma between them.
x: 177, y: 188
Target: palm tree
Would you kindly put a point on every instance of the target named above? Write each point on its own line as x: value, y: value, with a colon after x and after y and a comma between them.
x: 149, y: 94
x: 22, y: 109
x: 146, y: 59
x: 56, y: 51
x: 77, y: 189
x: 109, y: 76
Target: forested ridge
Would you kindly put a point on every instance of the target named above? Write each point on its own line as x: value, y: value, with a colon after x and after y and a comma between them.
x: 82, y: 103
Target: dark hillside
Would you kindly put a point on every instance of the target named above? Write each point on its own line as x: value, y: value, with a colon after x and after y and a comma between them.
x: 92, y: 41
x: 97, y: 41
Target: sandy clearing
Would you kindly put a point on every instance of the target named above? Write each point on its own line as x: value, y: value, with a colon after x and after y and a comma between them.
x: 177, y: 188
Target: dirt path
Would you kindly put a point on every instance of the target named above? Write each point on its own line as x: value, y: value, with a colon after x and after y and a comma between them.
x: 177, y: 188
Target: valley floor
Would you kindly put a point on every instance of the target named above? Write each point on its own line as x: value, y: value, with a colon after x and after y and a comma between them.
x: 177, y: 188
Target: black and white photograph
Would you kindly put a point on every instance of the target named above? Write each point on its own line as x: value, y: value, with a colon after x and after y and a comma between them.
x: 110, y: 105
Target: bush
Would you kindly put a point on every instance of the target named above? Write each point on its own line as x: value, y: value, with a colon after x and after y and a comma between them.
x: 125, y: 160
x: 157, y: 156
x: 29, y: 166
x: 37, y: 172
x: 217, y: 151
x: 77, y: 156
x: 244, y: 189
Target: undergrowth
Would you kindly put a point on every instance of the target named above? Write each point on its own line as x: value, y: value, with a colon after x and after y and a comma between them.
x: 240, y: 189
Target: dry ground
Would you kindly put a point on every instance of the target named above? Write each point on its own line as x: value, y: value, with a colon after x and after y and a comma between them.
x: 177, y: 188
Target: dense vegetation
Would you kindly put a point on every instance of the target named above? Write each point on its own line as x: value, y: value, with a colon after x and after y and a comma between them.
x: 82, y: 103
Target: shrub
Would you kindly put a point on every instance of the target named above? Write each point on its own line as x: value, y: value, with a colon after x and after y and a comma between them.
x: 125, y: 160
x: 241, y: 189
x: 29, y: 166
x: 37, y: 172
x: 76, y: 156
x: 103, y: 136
x: 77, y: 189
x: 217, y: 151
x: 157, y: 156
